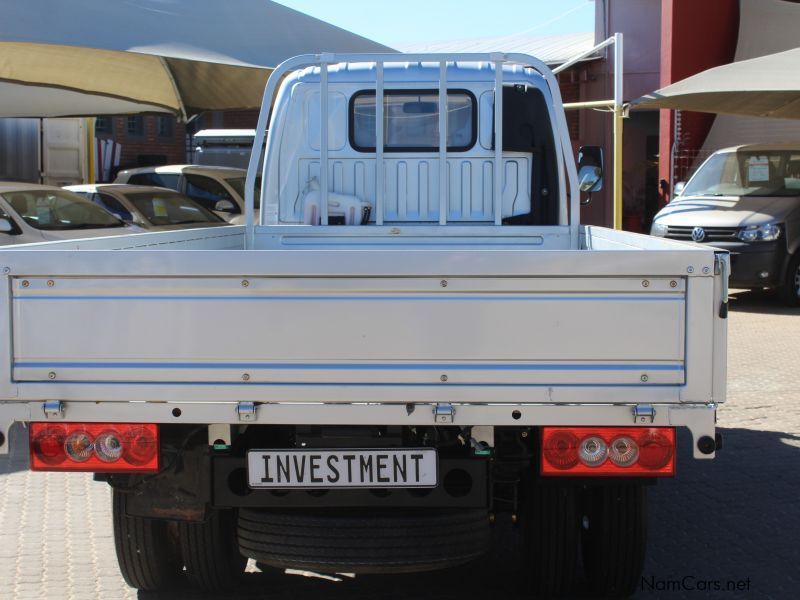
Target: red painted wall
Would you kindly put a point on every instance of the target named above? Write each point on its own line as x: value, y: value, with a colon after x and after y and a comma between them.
x: 695, y: 36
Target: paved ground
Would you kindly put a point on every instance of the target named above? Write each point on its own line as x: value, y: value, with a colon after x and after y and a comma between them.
x: 733, y: 519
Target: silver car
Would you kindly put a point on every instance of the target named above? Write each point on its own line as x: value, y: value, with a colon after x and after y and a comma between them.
x: 152, y: 208
x: 31, y: 213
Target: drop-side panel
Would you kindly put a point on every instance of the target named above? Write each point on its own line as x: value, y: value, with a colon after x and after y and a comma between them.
x: 468, y: 331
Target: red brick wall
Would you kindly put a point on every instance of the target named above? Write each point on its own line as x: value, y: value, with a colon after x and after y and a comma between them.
x: 569, y: 84
x: 136, y: 147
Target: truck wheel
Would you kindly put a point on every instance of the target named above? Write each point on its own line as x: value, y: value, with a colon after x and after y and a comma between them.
x: 147, y: 556
x: 614, y: 537
x: 364, y: 541
x: 211, y: 553
x: 552, y: 530
x: 790, y: 290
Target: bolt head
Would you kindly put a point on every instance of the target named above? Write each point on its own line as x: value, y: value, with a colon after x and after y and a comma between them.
x: 51, y: 375
x: 645, y: 283
x: 245, y: 283
x: 706, y: 270
x: 690, y: 269
x: 50, y: 283
x: 246, y: 377
x: 26, y: 283
x: 673, y: 284
x: 644, y: 378
x: 443, y: 378
x: 443, y: 283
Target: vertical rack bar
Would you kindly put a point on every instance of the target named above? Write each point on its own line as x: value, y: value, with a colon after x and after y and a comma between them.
x: 444, y: 200
x: 323, y: 142
x: 379, y: 142
x: 498, y: 142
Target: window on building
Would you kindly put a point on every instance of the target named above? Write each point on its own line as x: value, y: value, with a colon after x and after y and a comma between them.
x: 104, y: 126
x: 165, y: 127
x: 411, y: 120
x: 135, y: 126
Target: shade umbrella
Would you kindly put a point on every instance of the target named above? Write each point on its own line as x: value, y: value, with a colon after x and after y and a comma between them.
x: 767, y: 86
x: 94, y: 57
x: 49, y: 80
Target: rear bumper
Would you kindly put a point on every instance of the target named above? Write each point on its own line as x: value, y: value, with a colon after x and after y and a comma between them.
x: 699, y: 418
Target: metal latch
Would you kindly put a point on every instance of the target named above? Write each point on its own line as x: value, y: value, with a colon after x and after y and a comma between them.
x: 246, y: 411
x: 443, y: 413
x: 642, y: 412
x: 53, y: 409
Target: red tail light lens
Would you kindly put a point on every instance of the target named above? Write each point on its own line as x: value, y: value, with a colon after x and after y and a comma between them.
x: 99, y: 447
x: 48, y: 444
x: 608, y: 451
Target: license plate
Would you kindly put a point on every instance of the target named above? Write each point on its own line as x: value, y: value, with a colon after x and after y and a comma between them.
x: 342, y: 468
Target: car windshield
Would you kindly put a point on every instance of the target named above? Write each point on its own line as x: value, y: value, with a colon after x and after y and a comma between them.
x: 170, y: 208
x: 59, y: 210
x: 747, y: 173
x: 237, y: 183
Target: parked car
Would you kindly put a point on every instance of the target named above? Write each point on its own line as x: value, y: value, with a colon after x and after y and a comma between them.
x: 152, y: 208
x: 219, y: 189
x: 746, y: 200
x: 32, y: 213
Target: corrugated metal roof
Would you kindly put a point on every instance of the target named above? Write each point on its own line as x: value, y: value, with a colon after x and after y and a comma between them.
x: 552, y: 49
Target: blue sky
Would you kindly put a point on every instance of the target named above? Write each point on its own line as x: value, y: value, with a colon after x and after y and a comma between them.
x: 394, y: 22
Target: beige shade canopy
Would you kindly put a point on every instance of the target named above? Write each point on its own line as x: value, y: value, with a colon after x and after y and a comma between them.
x: 95, y: 57
x: 144, y: 83
x: 767, y: 86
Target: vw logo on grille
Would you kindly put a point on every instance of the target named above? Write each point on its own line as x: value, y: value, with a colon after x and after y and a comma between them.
x: 698, y: 234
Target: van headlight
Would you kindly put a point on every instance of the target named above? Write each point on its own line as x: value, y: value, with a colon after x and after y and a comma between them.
x: 658, y: 229
x: 760, y: 233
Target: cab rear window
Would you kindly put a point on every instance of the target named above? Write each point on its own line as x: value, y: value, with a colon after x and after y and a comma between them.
x: 411, y: 121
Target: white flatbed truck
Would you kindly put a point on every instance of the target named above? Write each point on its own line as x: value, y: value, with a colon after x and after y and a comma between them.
x: 416, y: 358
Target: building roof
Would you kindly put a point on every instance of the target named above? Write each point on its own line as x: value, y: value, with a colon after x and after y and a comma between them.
x: 552, y: 49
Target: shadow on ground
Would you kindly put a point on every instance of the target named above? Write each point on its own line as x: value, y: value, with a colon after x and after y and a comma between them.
x: 733, y: 519
x: 760, y: 302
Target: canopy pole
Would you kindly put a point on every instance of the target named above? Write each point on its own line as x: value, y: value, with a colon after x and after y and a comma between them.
x: 174, y: 89
x: 618, y: 127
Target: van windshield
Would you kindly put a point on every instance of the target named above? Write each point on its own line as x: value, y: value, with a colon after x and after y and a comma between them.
x: 750, y: 173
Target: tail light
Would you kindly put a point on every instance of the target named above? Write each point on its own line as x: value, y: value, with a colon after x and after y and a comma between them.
x: 608, y: 451
x: 99, y: 447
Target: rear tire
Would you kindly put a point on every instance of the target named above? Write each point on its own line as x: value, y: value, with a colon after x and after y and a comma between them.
x: 363, y: 541
x: 211, y: 553
x: 614, y: 537
x: 552, y: 530
x: 790, y: 290
x: 146, y: 553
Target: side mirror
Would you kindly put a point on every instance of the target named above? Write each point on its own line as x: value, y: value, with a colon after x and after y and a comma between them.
x: 6, y: 226
x: 678, y: 189
x: 590, y: 169
x: 224, y: 206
